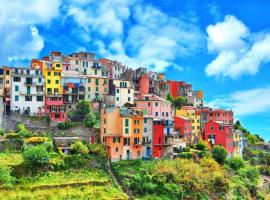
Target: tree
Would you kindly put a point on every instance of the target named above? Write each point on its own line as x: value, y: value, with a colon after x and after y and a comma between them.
x: 5, y: 176
x: 201, y: 146
x: 169, y: 97
x: 90, y: 120
x: 236, y: 163
x: 219, y: 154
x: 2, y: 132
x: 82, y: 108
x: 178, y: 102
x: 79, y: 148
x: 36, y: 155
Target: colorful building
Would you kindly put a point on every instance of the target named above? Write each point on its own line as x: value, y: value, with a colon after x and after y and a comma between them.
x: 190, y: 112
x: 121, y: 131
x: 96, y: 88
x: 173, y: 88
x: 219, y: 133
x: 114, y: 68
x: 147, y: 137
x: 28, y: 91
x: 122, y: 91
x: 183, y: 126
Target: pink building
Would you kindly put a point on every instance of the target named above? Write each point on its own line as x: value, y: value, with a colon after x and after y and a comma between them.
x: 155, y: 106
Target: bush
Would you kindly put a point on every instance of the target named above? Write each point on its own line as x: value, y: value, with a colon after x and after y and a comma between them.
x: 36, y: 140
x: 23, y: 132
x: 219, y: 154
x: 74, y: 161
x: 79, y: 148
x: 185, y: 155
x: 5, y: 176
x: 2, y: 132
x: 236, y: 163
x: 64, y: 126
x: 98, y: 150
x: 36, y: 155
x: 185, y: 149
x: 12, y: 136
x: 201, y: 146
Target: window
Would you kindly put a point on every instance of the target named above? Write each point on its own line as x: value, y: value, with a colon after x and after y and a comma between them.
x: 28, y: 98
x: 28, y: 90
x: 49, y: 81
x: 128, y: 91
x: 17, y: 79
x: 49, y: 73
x: 95, y: 72
x: 117, y: 98
x: 96, y: 81
x: 211, y: 127
x: 117, y: 90
x: 16, y: 98
x: 16, y: 88
x: 49, y: 90
x: 126, y: 122
x: 55, y: 90
x: 57, y: 116
x: 89, y: 89
x: 145, y: 120
x: 105, y: 121
x: 149, y: 104
x: 58, y: 65
x: 104, y: 130
x: 116, y: 149
x: 136, y: 140
x: 96, y: 89
x: 126, y: 130
x: 156, y: 104
x: 145, y: 130
x: 39, y: 98
x: 56, y: 81
x: 39, y: 80
x: 156, y: 113
x: 128, y: 98
x: 89, y: 80
x: 127, y: 141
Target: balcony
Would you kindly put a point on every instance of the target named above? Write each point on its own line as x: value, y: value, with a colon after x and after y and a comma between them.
x: 28, y: 82
x: 137, y: 144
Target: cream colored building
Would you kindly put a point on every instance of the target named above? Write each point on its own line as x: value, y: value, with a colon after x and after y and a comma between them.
x: 96, y: 87
x: 123, y: 92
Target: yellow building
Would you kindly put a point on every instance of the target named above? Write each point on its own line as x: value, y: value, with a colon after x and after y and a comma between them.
x: 5, y: 81
x: 236, y: 143
x: 52, y: 73
x: 190, y: 112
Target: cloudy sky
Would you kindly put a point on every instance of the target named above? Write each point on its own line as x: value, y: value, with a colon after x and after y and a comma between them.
x: 220, y: 47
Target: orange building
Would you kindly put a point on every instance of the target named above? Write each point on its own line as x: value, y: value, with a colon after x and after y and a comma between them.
x: 121, y: 131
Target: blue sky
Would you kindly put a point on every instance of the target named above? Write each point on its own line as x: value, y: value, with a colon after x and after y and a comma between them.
x: 222, y: 47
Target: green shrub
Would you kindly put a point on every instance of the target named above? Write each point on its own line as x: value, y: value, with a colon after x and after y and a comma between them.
x: 201, y: 146
x: 185, y: 155
x: 64, y: 125
x: 2, y: 132
x: 5, y: 176
x: 79, y: 148
x: 57, y: 161
x: 23, y: 132
x: 219, y: 154
x: 12, y: 136
x: 98, y: 150
x: 204, y: 154
x: 36, y: 155
x: 236, y: 163
x: 74, y: 161
x: 185, y: 149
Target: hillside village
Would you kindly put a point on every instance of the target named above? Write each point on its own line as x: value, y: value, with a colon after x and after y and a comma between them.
x: 142, y: 115
x: 77, y: 127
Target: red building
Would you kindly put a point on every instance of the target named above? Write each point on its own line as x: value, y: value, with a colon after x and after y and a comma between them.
x: 54, y: 107
x: 158, y: 139
x: 219, y: 133
x: 221, y: 115
x: 143, y: 85
x: 173, y: 88
x: 183, y: 126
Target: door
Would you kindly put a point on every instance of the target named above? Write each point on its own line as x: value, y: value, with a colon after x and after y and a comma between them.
x: 148, y: 152
x: 128, y: 155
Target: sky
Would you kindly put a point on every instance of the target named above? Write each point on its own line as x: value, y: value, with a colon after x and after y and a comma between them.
x: 221, y: 47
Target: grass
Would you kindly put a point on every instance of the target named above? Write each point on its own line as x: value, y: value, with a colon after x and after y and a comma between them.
x: 81, y: 184
x: 11, y: 159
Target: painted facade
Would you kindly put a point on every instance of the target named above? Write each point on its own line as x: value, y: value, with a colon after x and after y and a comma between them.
x: 183, y: 126
x: 96, y: 88
x: 28, y: 91
x: 219, y: 133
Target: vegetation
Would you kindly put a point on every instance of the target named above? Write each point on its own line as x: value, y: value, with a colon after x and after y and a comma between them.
x: 79, y: 148
x: 178, y: 102
x: 219, y: 154
x: 252, y: 138
x: 36, y: 155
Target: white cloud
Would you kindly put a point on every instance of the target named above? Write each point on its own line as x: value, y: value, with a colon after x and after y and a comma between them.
x: 245, y: 102
x: 19, y: 36
x: 238, y: 51
x: 153, y: 39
